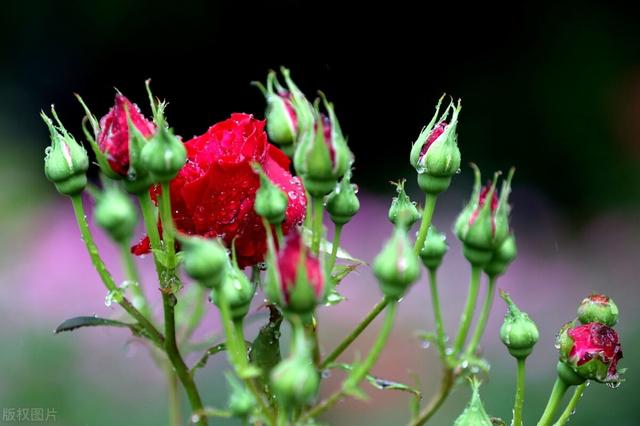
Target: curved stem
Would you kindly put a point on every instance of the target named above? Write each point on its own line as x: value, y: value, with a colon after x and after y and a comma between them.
x: 519, y: 402
x: 318, y: 211
x: 571, y: 407
x: 361, y: 370
x: 437, y: 312
x: 436, y: 401
x: 334, y: 247
x: 427, y: 215
x: 467, y: 313
x: 559, y: 389
x: 484, y: 317
x: 138, y: 298
x: 81, y: 217
x: 379, y: 307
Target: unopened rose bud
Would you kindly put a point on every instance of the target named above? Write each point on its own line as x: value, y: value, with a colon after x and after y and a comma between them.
x: 241, y: 400
x: 295, y: 380
x: 598, y: 308
x: 322, y: 155
x: 403, y: 212
x: 238, y: 292
x: 502, y: 257
x: 474, y: 413
x: 483, y: 224
x: 66, y: 162
x: 205, y: 260
x: 518, y: 332
x: 435, y: 155
x: 164, y: 155
x: 434, y: 248
x: 271, y: 201
x: 342, y: 202
x: 397, y: 266
x: 591, y: 351
x: 116, y: 214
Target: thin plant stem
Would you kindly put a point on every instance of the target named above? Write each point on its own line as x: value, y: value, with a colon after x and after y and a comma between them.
x: 318, y: 211
x: 437, y: 400
x: 437, y: 312
x: 174, y: 398
x: 138, y: 298
x: 335, y: 246
x: 559, y: 389
x: 379, y: 307
x: 571, y: 407
x: 484, y: 316
x: 467, y: 313
x: 427, y: 215
x: 197, y: 313
x: 361, y: 370
x: 81, y: 217
x: 519, y: 401
x: 279, y: 235
x: 168, y: 229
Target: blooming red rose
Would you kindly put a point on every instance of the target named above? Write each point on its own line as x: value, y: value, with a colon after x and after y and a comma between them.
x: 113, y: 139
x: 214, y: 193
x: 592, y: 350
x: 288, y: 261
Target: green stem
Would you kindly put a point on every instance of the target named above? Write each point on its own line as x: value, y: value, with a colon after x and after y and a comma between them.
x: 197, y: 312
x: 318, y: 210
x: 168, y: 229
x: 138, y: 298
x: 81, y: 217
x: 559, y: 389
x: 174, y: 399
x: 437, y: 312
x: 427, y: 215
x: 312, y: 334
x: 335, y: 246
x: 379, y: 307
x: 151, y: 226
x: 467, y: 313
x: 361, y: 370
x: 571, y: 407
x: 519, y: 402
x: 436, y: 401
x: 279, y: 234
x: 484, y: 316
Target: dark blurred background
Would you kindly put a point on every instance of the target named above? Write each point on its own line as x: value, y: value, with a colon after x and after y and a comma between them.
x: 550, y: 87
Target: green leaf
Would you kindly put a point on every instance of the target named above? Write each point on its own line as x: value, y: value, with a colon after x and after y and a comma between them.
x: 341, y: 271
x: 205, y: 357
x: 333, y: 298
x: 79, y: 322
x: 380, y: 383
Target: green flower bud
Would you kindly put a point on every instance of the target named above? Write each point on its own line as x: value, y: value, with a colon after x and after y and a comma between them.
x: 164, y: 155
x: 322, y: 155
x: 238, y: 292
x: 403, y: 212
x: 598, y: 308
x: 205, y: 260
x: 435, y: 154
x: 397, y: 266
x: 66, y: 162
x: 241, y: 400
x: 502, y: 257
x: 271, y: 201
x: 116, y: 214
x: 474, y: 414
x: 138, y: 180
x: 342, y: 202
x: 434, y: 248
x: 483, y: 224
x: 295, y: 380
x: 518, y: 332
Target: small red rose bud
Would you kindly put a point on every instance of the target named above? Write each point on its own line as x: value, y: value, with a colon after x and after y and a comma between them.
x: 591, y: 351
x: 66, y: 161
x: 282, y: 120
x: 483, y: 225
x: 403, y: 212
x: 114, y: 136
x: 435, y: 155
x: 296, y: 278
x: 598, y: 308
x: 322, y: 155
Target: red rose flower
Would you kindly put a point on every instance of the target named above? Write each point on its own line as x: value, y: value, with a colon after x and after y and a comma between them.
x: 113, y: 139
x: 213, y: 194
x: 288, y: 261
x: 481, y: 200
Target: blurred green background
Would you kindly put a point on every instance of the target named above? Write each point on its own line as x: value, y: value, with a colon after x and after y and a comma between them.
x: 553, y: 89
